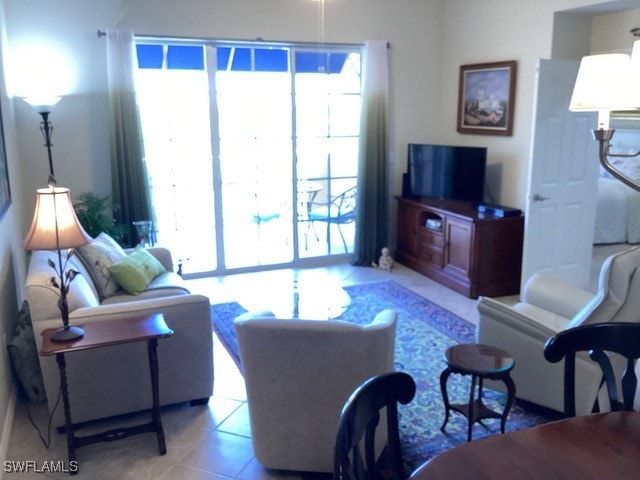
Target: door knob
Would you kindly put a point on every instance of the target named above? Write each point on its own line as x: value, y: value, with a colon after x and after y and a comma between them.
x: 539, y: 198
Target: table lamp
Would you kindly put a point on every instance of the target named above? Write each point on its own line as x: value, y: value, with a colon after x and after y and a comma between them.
x: 55, y: 227
x: 605, y: 83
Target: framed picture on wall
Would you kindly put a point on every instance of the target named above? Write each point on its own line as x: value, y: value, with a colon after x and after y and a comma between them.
x: 486, y: 98
x: 5, y: 192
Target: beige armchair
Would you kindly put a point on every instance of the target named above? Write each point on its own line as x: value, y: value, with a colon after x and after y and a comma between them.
x: 549, y: 306
x: 299, y: 374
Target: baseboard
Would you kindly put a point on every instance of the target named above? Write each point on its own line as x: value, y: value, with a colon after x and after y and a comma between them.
x: 8, y: 423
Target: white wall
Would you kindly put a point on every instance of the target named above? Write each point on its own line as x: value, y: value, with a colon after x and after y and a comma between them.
x: 80, y: 139
x: 497, y: 30
x: 430, y: 39
x: 12, y: 257
x: 611, y: 32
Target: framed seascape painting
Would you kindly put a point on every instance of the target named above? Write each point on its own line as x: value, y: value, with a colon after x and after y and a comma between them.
x: 486, y: 98
x: 5, y: 192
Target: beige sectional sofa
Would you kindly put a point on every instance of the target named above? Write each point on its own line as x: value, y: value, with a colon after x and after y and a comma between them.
x: 115, y: 380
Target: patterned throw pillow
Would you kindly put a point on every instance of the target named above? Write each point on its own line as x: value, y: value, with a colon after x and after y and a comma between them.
x: 97, y: 257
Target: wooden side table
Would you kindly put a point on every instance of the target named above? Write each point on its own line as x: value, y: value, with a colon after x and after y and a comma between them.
x: 104, y: 334
x: 479, y: 361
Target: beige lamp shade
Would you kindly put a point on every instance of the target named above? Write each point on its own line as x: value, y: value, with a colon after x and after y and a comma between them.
x: 605, y: 82
x: 55, y: 225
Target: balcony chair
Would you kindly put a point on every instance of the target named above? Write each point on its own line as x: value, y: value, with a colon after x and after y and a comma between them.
x: 338, y: 210
x: 549, y: 306
x: 599, y: 339
x: 299, y: 374
x: 358, y: 421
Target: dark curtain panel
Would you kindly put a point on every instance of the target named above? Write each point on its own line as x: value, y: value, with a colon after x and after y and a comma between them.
x: 372, y: 208
x: 129, y: 178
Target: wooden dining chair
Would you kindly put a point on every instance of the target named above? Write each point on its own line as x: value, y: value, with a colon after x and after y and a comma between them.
x: 598, y: 339
x: 359, y: 419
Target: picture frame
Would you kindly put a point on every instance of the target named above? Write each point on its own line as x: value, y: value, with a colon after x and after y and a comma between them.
x: 486, y: 98
x: 5, y: 190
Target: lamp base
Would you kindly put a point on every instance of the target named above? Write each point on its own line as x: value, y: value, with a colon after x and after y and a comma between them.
x: 65, y: 334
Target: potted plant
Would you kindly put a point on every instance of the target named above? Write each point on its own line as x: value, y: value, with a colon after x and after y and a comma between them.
x: 96, y: 215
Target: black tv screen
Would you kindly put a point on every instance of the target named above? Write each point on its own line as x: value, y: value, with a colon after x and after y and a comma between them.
x: 445, y: 171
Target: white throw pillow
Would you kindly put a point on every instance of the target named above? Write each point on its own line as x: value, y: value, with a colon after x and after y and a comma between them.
x: 97, y: 257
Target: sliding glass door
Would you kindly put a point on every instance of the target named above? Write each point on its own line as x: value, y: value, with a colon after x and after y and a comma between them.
x: 254, y: 111
x: 174, y: 110
x: 248, y: 158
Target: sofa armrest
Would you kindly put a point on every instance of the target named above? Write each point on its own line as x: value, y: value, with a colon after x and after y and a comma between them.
x: 555, y: 295
x: 164, y: 256
x: 136, y: 308
x: 494, y: 313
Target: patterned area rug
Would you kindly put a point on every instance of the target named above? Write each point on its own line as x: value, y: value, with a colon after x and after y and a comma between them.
x: 424, y: 331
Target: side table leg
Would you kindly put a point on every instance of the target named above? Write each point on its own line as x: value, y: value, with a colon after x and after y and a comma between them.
x: 157, y: 421
x: 445, y: 396
x: 511, y: 396
x: 68, y: 424
x: 471, y: 417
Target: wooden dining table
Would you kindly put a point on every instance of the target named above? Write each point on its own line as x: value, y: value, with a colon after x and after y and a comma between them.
x: 598, y: 446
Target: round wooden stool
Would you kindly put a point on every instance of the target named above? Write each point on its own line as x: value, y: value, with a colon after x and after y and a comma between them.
x: 479, y: 361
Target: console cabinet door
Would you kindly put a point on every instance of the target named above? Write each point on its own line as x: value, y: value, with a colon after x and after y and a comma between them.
x: 408, y: 218
x: 459, y: 251
x: 449, y: 242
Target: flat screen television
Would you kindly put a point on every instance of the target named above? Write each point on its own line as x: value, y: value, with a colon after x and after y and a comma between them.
x: 446, y: 171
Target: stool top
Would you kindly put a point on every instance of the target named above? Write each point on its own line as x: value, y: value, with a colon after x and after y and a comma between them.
x: 478, y: 359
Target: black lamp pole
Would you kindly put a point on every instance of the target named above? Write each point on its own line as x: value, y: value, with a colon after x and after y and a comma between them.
x: 47, y: 129
x: 603, y: 137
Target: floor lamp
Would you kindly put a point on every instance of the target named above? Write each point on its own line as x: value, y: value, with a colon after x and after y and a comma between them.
x: 56, y: 227
x: 44, y: 105
x: 606, y: 83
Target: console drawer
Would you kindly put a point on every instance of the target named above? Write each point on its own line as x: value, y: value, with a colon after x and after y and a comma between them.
x: 430, y: 238
x: 434, y: 256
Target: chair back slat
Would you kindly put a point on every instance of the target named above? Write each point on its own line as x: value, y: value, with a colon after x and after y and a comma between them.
x: 601, y: 340
x: 608, y: 377
x: 569, y: 384
x: 629, y: 384
x: 359, y: 419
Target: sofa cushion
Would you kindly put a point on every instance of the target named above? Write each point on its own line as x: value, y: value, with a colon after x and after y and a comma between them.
x: 136, y: 271
x: 97, y: 257
x: 168, y: 284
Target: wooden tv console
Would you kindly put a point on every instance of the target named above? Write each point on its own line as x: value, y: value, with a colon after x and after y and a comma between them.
x: 471, y: 253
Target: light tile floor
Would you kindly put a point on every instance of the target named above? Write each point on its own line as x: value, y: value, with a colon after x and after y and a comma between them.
x: 212, y: 441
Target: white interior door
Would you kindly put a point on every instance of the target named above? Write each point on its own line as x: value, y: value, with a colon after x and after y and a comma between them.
x: 561, y: 197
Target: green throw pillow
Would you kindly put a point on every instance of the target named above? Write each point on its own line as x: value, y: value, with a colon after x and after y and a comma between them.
x: 136, y: 271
